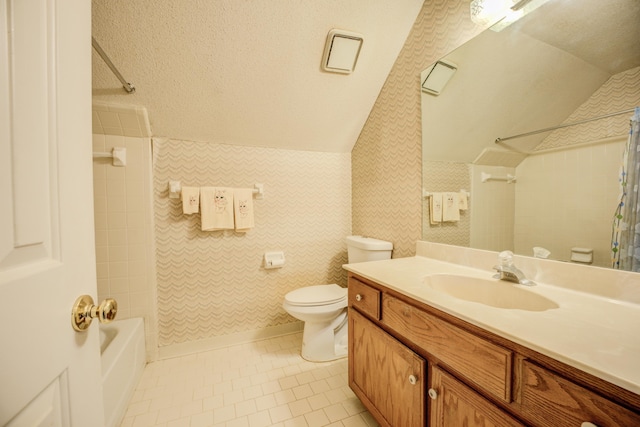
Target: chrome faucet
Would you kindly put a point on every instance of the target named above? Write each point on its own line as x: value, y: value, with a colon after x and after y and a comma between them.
x: 507, y: 271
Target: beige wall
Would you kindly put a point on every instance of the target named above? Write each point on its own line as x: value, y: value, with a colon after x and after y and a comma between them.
x: 386, y: 160
x: 492, y: 209
x: 212, y: 284
x: 571, y: 203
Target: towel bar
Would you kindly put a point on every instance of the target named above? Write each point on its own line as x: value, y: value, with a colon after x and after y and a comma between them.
x: 175, y: 187
x: 488, y: 177
x: 426, y: 194
x: 118, y: 154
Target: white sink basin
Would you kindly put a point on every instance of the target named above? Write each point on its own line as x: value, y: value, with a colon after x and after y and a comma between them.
x: 494, y: 293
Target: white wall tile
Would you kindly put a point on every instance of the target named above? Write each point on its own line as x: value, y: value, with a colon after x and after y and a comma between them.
x: 122, y: 245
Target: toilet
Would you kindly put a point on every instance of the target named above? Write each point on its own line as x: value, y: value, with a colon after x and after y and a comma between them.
x: 323, y: 308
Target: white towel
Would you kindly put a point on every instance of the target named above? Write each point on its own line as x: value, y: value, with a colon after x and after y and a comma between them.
x: 243, y: 209
x: 464, y: 200
x: 435, y: 208
x: 450, y: 207
x: 190, y: 200
x: 216, y: 207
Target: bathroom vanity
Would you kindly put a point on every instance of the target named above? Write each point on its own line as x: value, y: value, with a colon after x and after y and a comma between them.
x: 420, y: 356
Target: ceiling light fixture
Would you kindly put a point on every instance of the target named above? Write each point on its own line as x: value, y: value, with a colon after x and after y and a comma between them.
x: 501, y: 13
x: 487, y: 12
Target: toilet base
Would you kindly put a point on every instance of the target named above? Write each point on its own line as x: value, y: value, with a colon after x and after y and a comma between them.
x: 325, y: 341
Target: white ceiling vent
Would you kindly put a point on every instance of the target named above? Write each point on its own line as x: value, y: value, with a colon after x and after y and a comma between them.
x: 438, y: 77
x: 341, y: 51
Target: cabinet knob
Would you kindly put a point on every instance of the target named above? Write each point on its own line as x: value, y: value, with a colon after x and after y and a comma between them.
x: 588, y: 424
x: 413, y: 379
x: 358, y: 297
x: 433, y: 394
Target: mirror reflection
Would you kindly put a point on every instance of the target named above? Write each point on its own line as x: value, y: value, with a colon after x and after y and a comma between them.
x: 551, y: 193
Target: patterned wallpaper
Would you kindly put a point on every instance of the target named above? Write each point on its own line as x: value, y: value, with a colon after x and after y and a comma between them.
x: 387, y: 159
x: 214, y: 283
x: 446, y: 176
x: 621, y: 92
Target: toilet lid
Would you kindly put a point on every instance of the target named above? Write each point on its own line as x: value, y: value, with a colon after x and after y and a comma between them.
x: 316, y: 295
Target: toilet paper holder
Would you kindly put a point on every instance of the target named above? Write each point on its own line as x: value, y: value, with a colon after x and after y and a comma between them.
x: 273, y: 259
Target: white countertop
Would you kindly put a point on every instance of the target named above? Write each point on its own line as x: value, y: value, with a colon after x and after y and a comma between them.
x: 593, y: 333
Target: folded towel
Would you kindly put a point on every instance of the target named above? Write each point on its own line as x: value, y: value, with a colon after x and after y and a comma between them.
x: 435, y: 208
x: 216, y: 207
x: 450, y: 207
x: 190, y: 200
x: 243, y: 209
x: 464, y: 200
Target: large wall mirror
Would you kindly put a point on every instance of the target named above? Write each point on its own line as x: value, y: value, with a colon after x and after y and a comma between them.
x: 550, y: 193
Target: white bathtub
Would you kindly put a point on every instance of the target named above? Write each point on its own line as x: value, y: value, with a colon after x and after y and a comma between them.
x: 123, y: 359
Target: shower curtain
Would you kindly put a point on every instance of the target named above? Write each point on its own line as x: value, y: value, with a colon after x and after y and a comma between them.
x: 625, y: 238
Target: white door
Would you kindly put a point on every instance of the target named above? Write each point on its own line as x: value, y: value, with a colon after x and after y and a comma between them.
x: 49, y: 374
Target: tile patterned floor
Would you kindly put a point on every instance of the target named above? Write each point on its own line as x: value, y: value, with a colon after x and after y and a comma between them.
x: 259, y: 384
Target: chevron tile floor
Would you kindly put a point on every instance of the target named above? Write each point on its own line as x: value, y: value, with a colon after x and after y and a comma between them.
x: 258, y: 384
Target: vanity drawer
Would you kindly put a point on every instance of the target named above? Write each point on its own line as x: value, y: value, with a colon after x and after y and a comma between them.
x: 481, y: 362
x: 550, y: 399
x: 365, y: 298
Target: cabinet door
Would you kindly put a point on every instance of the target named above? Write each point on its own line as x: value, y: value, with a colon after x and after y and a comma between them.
x: 548, y: 398
x: 454, y: 404
x: 483, y: 363
x: 387, y: 376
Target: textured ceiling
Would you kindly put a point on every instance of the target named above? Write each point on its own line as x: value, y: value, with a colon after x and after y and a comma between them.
x: 248, y: 72
x: 604, y: 34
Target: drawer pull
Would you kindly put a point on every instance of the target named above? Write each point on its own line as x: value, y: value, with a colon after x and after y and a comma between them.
x: 413, y: 380
x: 359, y: 297
x: 433, y: 394
x: 588, y: 424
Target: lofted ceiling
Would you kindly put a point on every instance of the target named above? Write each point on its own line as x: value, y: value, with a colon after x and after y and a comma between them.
x: 531, y: 75
x: 248, y: 72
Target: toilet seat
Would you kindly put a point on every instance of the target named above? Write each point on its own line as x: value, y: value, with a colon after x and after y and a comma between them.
x: 317, y: 295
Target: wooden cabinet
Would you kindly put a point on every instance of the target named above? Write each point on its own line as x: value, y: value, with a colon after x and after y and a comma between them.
x: 455, y: 404
x: 364, y: 298
x: 387, y: 376
x: 477, y: 379
x: 485, y: 364
x: 549, y: 399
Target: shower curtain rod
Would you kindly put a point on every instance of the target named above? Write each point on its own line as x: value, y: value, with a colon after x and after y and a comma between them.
x: 499, y: 140
x: 125, y: 85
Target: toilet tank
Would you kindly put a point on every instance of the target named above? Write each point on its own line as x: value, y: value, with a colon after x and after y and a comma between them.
x: 362, y: 249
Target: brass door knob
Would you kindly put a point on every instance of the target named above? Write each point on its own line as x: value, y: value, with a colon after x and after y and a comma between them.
x: 84, y: 311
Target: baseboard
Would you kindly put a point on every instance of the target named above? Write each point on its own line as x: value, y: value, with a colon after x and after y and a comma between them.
x: 183, y: 349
